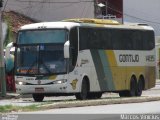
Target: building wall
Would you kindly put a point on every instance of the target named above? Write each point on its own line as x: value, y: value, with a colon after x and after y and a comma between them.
x: 52, y: 10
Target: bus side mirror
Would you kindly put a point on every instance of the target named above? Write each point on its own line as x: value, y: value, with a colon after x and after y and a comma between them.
x: 66, y: 49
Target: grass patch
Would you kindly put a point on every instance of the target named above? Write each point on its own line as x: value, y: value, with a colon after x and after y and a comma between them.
x: 11, y: 108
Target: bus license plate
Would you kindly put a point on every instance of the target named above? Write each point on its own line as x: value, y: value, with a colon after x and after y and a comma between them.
x: 39, y: 90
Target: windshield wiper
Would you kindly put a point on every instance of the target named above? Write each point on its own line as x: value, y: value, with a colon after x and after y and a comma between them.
x: 45, y: 66
x: 30, y: 68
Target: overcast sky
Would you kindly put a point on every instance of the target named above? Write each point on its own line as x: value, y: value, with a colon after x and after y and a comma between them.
x: 145, y: 11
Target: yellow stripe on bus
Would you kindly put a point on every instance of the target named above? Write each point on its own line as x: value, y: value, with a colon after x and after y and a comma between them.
x: 111, y: 57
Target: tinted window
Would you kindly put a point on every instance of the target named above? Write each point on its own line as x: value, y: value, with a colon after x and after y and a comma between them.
x: 148, y: 40
x: 93, y: 38
x: 41, y: 36
x: 117, y: 39
x: 136, y: 40
x: 73, y: 37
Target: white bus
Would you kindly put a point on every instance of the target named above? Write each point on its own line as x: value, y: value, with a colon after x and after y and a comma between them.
x: 85, y: 58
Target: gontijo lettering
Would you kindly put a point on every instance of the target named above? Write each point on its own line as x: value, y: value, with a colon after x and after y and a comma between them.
x: 128, y: 58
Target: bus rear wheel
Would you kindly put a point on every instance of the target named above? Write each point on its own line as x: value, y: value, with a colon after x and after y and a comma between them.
x: 38, y: 97
x: 83, y: 95
x: 132, y: 91
x: 140, y: 87
x: 133, y: 87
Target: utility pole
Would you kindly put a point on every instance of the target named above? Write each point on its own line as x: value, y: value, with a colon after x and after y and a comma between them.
x: 2, y: 67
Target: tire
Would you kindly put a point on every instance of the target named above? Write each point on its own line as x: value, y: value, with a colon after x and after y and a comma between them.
x: 124, y: 93
x: 83, y: 95
x: 133, y: 87
x: 132, y: 91
x: 139, y: 88
x: 95, y: 95
x: 38, y: 97
x: 98, y: 95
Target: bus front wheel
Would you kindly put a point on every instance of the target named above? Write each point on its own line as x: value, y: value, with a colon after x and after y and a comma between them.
x: 38, y: 97
x: 95, y: 95
x: 83, y: 95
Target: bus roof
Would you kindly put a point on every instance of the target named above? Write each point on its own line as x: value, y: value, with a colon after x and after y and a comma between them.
x: 69, y: 23
x: 94, y: 21
x: 49, y: 25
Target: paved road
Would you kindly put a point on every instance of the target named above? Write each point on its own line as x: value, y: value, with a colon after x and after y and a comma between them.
x: 61, y: 117
x: 132, y: 108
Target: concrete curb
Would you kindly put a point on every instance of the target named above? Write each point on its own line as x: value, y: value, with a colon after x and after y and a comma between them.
x: 106, y: 101
x: 10, y: 96
x: 15, y: 96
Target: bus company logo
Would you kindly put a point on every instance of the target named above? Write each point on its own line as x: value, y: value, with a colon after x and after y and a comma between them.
x: 74, y: 83
x: 128, y: 58
x: 84, y: 62
x: 39, y: 82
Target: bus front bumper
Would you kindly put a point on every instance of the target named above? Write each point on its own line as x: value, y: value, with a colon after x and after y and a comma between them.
x: 30, y: 89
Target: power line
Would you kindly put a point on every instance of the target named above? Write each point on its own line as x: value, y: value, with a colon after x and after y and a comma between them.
x: 141, y: 19
x: 83, y: 10
x: 132, y: 16
x: 5, y: 6
x: 35, y: 1
x: 88, y: 9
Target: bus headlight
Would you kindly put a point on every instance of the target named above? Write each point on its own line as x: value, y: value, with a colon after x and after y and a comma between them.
x: 60, y: 81
x: 20, y: 83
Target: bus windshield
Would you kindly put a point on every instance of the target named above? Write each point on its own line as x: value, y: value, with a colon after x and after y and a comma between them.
x: 36, y: 56
x: 42, y: 36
